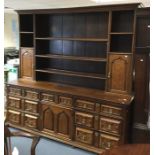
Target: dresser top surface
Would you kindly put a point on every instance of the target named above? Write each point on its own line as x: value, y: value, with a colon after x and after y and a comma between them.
x: 124, y: 99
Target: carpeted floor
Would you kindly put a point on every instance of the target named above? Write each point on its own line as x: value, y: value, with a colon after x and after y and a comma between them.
x: 46, y: 147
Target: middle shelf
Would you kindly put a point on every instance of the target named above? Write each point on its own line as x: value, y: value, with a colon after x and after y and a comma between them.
x: 71, y: 73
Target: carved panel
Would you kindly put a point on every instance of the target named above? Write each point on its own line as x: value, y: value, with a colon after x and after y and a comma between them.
x: 84, y: 119
x: 30, y: 121
x: 110, y: 125
x: 31, y: 106
x: 14, y: 117
x: 14, y: 91
x: 85, y: 105
x: 84, y: 136
x: 31, y: 95
x: 65, y: 101
x: 111, y: 110
x: 47, y: 97
x: 14, y: 102
x: 107, y: 141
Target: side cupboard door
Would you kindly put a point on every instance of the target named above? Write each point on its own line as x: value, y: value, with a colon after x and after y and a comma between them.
x: 119, y: 73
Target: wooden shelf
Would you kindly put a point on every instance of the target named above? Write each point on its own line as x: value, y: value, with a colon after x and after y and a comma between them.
x: 95, y: 59
x: 121, y: 33
x: 120, y: 52
x: 73, y: 39
x: 24, y: 32
x: 71, y: 73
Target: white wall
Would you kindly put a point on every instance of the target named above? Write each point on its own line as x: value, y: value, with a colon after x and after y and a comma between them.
x: 11, y: 29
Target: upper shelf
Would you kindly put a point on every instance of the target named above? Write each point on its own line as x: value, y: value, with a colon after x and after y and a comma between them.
x: 73, y: 39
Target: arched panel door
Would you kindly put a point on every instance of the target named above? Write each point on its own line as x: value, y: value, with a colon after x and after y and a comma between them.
x: 48, y: 118
x: 119, y: 76
x: 63, y: 123
x: 26, y: 68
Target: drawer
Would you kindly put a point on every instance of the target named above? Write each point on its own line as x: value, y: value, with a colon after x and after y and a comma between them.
x: 14, y: 102
x: 107, y: 141
x: 84, y: 136
x: 14, y: 117
x: 31, y: 106
x: 84, y: 119
x: 47, y: 97
x: 31, y: 95
x: 67, y: 101
x: 110, y: 125
x: 30, y: 121
x: 85, y: 105
x: 14, y: 91
x: 111, y: 110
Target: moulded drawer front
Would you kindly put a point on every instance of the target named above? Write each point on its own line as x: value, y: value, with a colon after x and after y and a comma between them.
x: 14, y: 91
x: 30, y: 121
x: 31, y: 95
x: 107, y: 141
x: 111, y: 110
x: 84, y: 136
x: 14, y: 117
x: 31, y: 106
x: 85, y: 105
x: 14, y: 102
x: 65, y: 101
x: 47, y: 97
x: 110, y: 125
x: 84, y: 119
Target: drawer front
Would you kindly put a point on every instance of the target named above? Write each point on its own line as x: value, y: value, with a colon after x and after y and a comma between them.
x: 31, y: 95
x: 30, y: 121
x: 111, y: 110
x: 14, y: 91
x: 47, y: 97
x: 14, y: 117
x: 85, y: 105
x: 84, y: 119
x: 14, y: 102
x: 84, y: 136
x: 31, y: 106
x: 110, y: 125
x: 107, y: 142
x: 65, y: 101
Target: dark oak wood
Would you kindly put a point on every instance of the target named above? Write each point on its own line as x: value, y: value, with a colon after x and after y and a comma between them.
x: 79, y: 61
x: 141, y: 132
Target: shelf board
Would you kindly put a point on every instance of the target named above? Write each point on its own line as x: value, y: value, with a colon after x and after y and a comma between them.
x: 71, y: 73
x: 121, y: 33
x: 120, y: 52
x: 24, y: 32
x: 73, y: 39
x: 95, y: 59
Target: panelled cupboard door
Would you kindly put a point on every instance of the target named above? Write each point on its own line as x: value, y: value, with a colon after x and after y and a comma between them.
x: 57, y: 120
x: 119, y: 73
x: 26, y: 68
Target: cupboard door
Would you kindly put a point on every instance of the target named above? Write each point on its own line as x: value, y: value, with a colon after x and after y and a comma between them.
x: 119, y: 76
x: 26, y: 68
x: 63, y: 121
x: 47, y: 118
x: 57, y: 119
